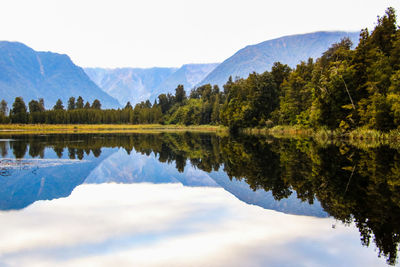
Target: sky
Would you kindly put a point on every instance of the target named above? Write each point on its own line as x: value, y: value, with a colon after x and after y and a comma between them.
x: 169, y: 33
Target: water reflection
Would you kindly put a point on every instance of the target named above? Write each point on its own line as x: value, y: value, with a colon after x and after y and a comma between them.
x: 351, y: 183
x: 171, y: 225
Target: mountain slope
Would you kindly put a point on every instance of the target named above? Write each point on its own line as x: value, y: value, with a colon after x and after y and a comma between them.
x: 58, y: 179
x: 287, y: 50
x: 32, y: 75
x: 129, y: 84
x: 189, y: 75
x: 135, y: 85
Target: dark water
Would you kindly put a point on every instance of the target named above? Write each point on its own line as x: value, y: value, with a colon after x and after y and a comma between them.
x: 196, y: 199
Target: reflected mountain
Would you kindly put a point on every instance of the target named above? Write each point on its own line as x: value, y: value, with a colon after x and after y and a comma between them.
x: 354, y: 183
x: 30, y: 181
x: 137, y: 168
x: 262, y: 198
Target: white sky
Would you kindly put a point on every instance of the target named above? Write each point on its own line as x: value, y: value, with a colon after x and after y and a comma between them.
x: 122, y: 33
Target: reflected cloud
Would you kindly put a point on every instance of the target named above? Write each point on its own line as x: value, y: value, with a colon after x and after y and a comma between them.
x: 12, y: 163
x: 170, y: 225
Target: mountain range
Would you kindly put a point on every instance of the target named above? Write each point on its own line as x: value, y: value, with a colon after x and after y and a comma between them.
x: 32, y: 75
x: 129, y: 84
x: 136, y: 85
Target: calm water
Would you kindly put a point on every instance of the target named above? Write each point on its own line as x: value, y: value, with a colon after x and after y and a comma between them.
x: 196, y: 200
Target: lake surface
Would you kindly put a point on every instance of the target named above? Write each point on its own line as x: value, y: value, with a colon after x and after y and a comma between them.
x: 191, y: 199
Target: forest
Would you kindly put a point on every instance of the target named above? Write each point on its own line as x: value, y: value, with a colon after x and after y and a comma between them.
x: 346, y: 88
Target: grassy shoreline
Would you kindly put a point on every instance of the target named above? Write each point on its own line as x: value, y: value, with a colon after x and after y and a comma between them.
x: 104, y: 128
x: 280, y: 131
x: 359, y: 134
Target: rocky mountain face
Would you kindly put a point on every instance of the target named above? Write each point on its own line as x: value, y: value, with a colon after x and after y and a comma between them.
x: 136, y: 85
x: 129, y: 84
x: 32, y: 75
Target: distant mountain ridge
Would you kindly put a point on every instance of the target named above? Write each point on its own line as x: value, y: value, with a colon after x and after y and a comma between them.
x: 129, y: 84
x: 137, y: 84
x: 189, y: 75
x: 32, y: 75
x: 287, y: 50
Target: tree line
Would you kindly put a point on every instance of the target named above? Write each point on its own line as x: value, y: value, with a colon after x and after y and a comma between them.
x: 345, y: 88
x: 76, y: 112
x: 202, y: 107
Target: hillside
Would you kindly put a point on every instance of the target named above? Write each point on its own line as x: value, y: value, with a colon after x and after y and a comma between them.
x: 32, y: 75
x: 287, y: 50
x: 189, y: 75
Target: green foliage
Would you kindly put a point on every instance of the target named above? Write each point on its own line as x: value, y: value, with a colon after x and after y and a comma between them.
x: 79, y: 103
x: 36, y: 112
x: 180, y: 94
x: 3, y: 112
x: 128, y: 105
x: 96, y: 104
x: 250, y: 101
x: 296, y: 93
x: 18, y: 113
x: 71, y: 103
x: 3, y: 107
x: 59, y: 105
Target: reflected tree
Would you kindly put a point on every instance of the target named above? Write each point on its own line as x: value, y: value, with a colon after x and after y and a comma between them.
x: 354, y: 183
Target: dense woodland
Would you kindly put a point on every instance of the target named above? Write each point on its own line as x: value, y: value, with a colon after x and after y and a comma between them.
x: 343, y: 89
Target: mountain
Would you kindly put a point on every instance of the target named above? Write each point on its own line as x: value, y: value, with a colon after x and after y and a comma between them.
x: 135, y: 84
x: 32, y: 75
x: 45, y: 179
x: 129, y: 84
x: 189, y: 75
x: 140, y: 168
x: 287, y: 50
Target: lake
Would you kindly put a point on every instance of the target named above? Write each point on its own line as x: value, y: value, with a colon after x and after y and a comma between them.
x: 196, y: 199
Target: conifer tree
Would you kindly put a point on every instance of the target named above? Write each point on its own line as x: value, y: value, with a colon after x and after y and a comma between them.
x: 18, y: 113
x: 59, y: 105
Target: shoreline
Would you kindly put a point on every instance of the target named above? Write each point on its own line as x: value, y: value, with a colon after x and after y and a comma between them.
x: 323, y: 134
x: 104, y: 128
x: 279, y: 131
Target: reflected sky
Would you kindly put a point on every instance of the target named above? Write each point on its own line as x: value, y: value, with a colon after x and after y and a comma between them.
x: 171, y: 225
x: 121, y: 167
x: 195, y: 199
